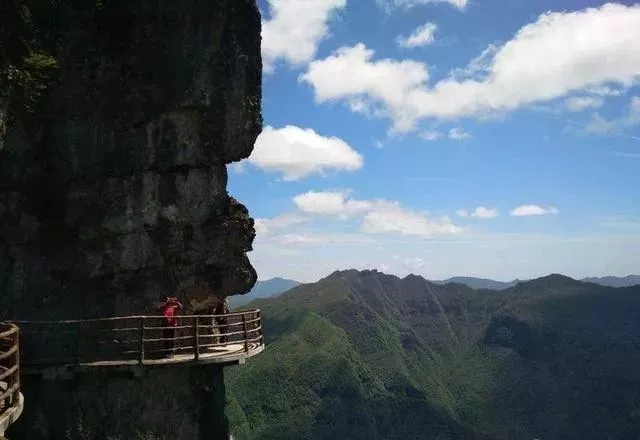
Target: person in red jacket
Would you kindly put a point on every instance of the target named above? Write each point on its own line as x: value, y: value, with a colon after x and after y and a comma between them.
x: 170, y: 309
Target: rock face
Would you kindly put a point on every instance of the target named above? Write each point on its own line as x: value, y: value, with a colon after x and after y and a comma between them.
x: 113, y: 192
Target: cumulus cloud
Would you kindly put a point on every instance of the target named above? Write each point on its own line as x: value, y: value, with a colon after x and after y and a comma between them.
x: 579, y: 103
x: 393, y: 218
x: 480, y: 212
x: 421, y: 36
x: 388, y: 5
x: 558, y: 54
x: 458, y: 135
x: 265, y: 226
x: 296, y: 153
x: 295, y: 30
x: 431, y: 135
x: 455, y: 134
x: 333, y: 203
x: 311, y: 239
x: 483, y: 212
x: 527, y: 210
x: 378, y: 216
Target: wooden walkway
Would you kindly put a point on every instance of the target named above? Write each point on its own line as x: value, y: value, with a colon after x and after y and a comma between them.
x: 139, y: 341
x: 11, y: 401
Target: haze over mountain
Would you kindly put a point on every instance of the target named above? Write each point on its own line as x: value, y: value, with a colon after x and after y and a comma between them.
x: 629, y: 280
x: 365, y: 355
x: 478, y: 283
x: 263, y: 289
x: 485, y: 283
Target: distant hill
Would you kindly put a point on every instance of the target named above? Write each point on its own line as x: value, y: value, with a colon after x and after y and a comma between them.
x: 363, y: 355
x: 479, y: 283
x: 629, y: 280
x: 485, y: 283
x: 263, y: 289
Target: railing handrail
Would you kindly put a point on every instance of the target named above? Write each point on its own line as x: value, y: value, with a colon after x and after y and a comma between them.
x: 121, y: 318
x: 9, y: 366
x: 72, y: 342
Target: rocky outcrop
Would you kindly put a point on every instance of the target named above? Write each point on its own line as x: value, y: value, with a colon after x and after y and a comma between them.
x: 113, y: 190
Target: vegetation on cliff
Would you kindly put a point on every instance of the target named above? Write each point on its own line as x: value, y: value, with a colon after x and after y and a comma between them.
x: 367, y: 355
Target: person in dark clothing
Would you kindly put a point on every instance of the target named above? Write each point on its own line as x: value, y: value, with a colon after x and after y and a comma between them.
x: 170, y: 309
x: 221, y: 309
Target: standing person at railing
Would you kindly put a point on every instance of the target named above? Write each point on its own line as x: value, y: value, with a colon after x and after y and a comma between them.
x: 170, y: 309
x: 221, y: 309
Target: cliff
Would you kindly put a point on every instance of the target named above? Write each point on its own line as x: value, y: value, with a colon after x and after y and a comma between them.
x: 113, y: 189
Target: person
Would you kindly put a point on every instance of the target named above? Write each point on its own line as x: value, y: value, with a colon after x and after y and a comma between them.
x: 220, y: 310
x: 170, y: 309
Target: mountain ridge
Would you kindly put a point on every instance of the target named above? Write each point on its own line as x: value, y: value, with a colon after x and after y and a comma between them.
x: 490, y: 284
x: 499, y: 366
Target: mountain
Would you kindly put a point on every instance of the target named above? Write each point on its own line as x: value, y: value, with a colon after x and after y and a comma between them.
x: 485, y: 283
x: 263, y: 289
x: 479, y: 283
x: 628, y: 281
x: 365, y: 355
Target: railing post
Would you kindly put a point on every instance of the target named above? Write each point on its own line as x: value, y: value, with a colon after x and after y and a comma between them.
x: 141, y: 341
x: 244, y: 327
x: 16, y: 394
x: 196, y: 338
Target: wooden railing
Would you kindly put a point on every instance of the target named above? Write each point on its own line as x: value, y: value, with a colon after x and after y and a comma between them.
x: 9, y: 367
x: 139, y: 340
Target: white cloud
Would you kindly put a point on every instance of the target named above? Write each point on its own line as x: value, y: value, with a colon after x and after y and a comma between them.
x: 431, y: 135
x: 483, y: 212
x: 300, y: 239
x: 599, y: 124
x: 458, y: 135
x: 604, y: 91
x: 388, y: 5
x: 378, y: 216
x: 393, y: 218
x: 455, y: 134
x: 558, y: 54
x: 332, y: 203
x: 311, y: 239
x: 421, y: 36
x: 266, y: 226
x: 527, y: 210
x: 295, y: 30
x: 480, y: 212
x: 297, y: 153
x: 411, y: 263
x: 579, y: 103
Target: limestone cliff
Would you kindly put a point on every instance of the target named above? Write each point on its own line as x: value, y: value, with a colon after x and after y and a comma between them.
x: 113, y: 189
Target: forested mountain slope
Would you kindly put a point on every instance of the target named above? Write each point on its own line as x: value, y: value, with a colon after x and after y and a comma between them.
x: 364, y: 355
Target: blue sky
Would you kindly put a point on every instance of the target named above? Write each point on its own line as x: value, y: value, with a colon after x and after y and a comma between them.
x: 451, y: 137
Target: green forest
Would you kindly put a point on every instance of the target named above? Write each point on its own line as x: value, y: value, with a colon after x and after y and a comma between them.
x: 363, y: 355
